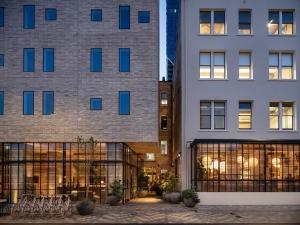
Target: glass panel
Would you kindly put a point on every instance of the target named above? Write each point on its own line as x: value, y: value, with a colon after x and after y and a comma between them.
x: 144, y: 16
x: 205, y: 65
x: 164, y: 147
x: 245, y: 66
x: 164, y: 123
x: 205, y: 72
x: 48, y: 60
x: 1, y: 16
x: 96, y: 60
x: 287, y: 59
x: 274, y: 115
x: 48, y: 102
x: 29, y: 17
x: 124, y: 60
x: 245, y: 22
x: 50, y: 14
x: 205, y: 22
x: 96, y: 104
x: 245, y: 115
x: 1, y: 60
x: 287, y: 115
x: 205, y: 115
x: 1, y: 102
x: 124, y: 17
x: 164, y: 98
x: 28, y: 60
x: 287, y: 22
x: 219, y: 112
x: 219, y: 22
x: 273, y: 25
x: 287, y: 66
x: 205, y: 58
x: 96, y: 15
x: 219, y: 65
x: 28, y: 102
x: 124, y: 103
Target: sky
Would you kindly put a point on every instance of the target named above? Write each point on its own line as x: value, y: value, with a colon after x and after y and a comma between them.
x: 162, y: 39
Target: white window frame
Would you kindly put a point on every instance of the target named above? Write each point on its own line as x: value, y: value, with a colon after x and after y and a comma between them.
x: 280, y: 64
x: 164, y: 143
x: 150, y: 158
x: 280, y: 22
x: 212, y: 115
x: 163, y: 101
x: 212, y: 21
x: 212, y: 75
x: 280, y: 116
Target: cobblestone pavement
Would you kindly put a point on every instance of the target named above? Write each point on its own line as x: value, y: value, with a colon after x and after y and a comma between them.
x: 160, y: 212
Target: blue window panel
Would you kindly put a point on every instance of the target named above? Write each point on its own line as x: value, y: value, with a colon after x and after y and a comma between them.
x: 1, y: 16
x: 1, y: 102
x: 96, y: 104
x: 96, y: 60
x: 1, y: 60
x: 124, y: 59
x: 124, y: 17
x: 29, y: 16
x: 124, y: 102
x: 96, y: 15
x: 48, y: 102
x: 144, y: 17
x: 48, y: 60
x: 28, y: 103
x: 28, y: 60
x: 50, y: 14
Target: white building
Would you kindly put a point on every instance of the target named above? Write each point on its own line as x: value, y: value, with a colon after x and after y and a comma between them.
x: 237, y: 93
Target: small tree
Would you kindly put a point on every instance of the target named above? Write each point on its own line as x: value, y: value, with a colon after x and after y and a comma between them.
x: 142, y: 181
x: 116, y: 189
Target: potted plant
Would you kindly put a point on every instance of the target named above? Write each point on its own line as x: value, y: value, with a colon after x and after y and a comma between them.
x: 116, y: 194
x: 86, y: 207
x: 190, y: 197
x: 171, y: 193
x: 142, y: 185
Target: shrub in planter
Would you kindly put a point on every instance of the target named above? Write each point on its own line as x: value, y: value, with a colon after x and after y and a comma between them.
x: 86, y: 207
x: 116, y: 193
x: 157, y: 189
x: 190, y: 197
x: 172, y: 194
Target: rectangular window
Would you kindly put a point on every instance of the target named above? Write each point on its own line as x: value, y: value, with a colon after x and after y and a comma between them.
x: 48, y: 102
x: 96, y: 60
x: 212, y: 22
x: 29, y: 17
x: 28, y: 103
x: 96, y: 104
x: 124, y: 102
x: 245, y: 65
x: 281, y: 66
x: 163, y: 147
x: 245, y: 115
x: 164, y: 98
x: 164, y: 123
x: 50, y: 14
x: 124, y: 59
x: 1, y: 59
x: 244, y: 22
x: 124, y: 17
x: 28, y: 59
x: 150, y: 157
x: 1, y: 102
x: 281, y: 22
x: 219, y: 115
x: 205, y: 115
x: 205, y: 65
x: 218, y: 65
x: 96, y: 15
x: 274, y: 115
x: 287, y: 115
x: 1, y: 16
x: 48, y: 59
x: 144, y: 16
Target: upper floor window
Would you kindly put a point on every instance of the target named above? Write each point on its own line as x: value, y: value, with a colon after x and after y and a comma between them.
x: 96, y: 15
x: 48, y: 102
x: 163, y: 147
x: 212, y: 65
x: 281, y: 115
x: 124, y: 17
x: 144, y: 16
x: 28, y: 103
x: 96, y: 104
x: 48, y: 59
x: 281, y: 22
x: 212, y: 114
x: 281, y: 66
x: 96, y: 60
x: 212, y: 22
x: 1, y: 59
x: 245, y: 115
x: 244, y: 22
x: 50, y: 14
x: 28, y: 60
x: 1, y: 102
x: 124, y: 59
x: 124, y: 102
x: 29, y: 17
x: 164, y: 98
x: 245, y: 66
x: 1, y: 16
x: 150, y: 157
x: 164, y: 123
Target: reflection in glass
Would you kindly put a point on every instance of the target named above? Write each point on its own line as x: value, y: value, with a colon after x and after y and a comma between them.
x: 274, y: 115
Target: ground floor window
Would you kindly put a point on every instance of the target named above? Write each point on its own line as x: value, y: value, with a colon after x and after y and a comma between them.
x: 242, y: 166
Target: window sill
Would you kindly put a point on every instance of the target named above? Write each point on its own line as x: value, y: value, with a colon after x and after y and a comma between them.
x: 284, y: 131
x: 212, y: 130
x: 250, y: 35
x: 282, y: 35
x: 246, y: 130
x: 246, y: 79
x: 284, y: 80
x: 213, y: 79
x: 213, y: 35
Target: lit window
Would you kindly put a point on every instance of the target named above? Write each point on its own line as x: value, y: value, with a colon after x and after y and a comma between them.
x: 287, y: 115
x: 274, y: 115
x: 215, y: 110
x: 150, y: 157
x: 212, y: 22
x: 28, y: 59
x: 163, y: 147
x: 96, y: 104
x: 1, y: 59
x: 245, y: 115
x: 48, y: 102
x: 218, y: 65
x: 144, y: 16
x: 1, y: 102
x: 124, y: 102
x: 273, y: 66
x: 124, y: 17
x: 219, y: 115
x: 205, y: 115
x: 164, y: 98
x: 244, y: 22
x: 124, y: 59
x: 96, y: 60
x: 1, y: 16
x: 28, y: 103
x: 205, y: 65
x: 245, y: 65
x: 281, y: 66
x: 164, y: 123
x: 281, y: 22
x: 28, y: 16
x: 50, y: 14
x: 48, y: 60
x: 96, y: 15
x: 286, y: 66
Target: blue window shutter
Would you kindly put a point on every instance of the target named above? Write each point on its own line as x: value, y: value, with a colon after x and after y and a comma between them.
x: 28, y: 103
x: 29, y: 16
x: 1, y: 16
x: 28, y: 60
x: 50, y: 14
x: 124, y: 17
x: 1, y: 102
x: 48, y: 60
x: 96, y: 15
x: 96, y: 60
x: 124, y: 102
x: 48, y: 102
x: 124, y: 59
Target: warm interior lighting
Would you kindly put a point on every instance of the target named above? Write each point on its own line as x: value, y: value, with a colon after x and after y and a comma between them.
x: 253, y: 162
x: 222, y: 167
x: 240, y: 159
x: 206, y: 161
x: 276, y: 162
x: 215, y: 164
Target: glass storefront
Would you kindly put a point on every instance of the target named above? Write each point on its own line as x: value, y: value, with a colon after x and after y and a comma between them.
x: 246, y: 166
x: 78, y: 169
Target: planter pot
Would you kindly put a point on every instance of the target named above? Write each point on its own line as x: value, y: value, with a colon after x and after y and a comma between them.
x: 113, y: 200
x: 189, y: 202
x: 166, y: 196
x: 174, y: 197
x: 86, y: 207
x: 142, y: 194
